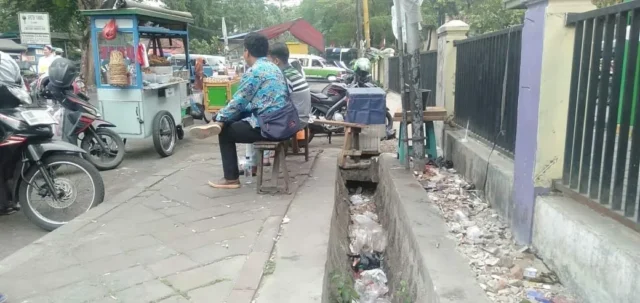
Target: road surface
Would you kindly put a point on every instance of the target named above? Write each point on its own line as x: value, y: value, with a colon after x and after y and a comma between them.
x: 140, y: 161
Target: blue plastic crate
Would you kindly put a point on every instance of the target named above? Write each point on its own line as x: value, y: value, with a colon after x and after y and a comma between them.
x: 366, y: 105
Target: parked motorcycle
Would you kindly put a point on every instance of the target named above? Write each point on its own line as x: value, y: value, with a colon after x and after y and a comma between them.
x: 331, y: 103
x: 49, y: 179
x: 81, y: 121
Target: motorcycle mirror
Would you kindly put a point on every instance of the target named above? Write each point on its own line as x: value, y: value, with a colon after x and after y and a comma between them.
x: 332, y: 78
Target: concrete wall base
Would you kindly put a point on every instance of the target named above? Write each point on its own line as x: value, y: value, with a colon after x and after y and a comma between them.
x: 593, y: 255
x: 470, y: 158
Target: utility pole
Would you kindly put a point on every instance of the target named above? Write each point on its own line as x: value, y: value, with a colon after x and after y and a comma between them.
x: 405, y: 103
x: 412, y: 7
x: 359, y: 34
x: 365, y: 14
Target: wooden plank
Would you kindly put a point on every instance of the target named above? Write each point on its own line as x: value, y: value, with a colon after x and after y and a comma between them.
x: 338, y: 123
x: 433, y: 113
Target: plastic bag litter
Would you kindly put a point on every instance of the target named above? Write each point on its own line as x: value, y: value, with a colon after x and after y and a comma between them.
x: 358, y: 199
x: 371, y: 286
x: 367, y: 261
x: 58, y: 115
x: 366, y: 235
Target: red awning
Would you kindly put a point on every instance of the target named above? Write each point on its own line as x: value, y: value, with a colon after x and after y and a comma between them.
x: 299, y: 28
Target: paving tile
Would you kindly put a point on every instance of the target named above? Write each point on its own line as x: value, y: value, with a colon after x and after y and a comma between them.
x: 219, y: 222
x: 81, y: 292
x: 152, y: 254
x: 137, y: 242
x: 110, y: 264
x: 96, y: 250
x: 174, y: 299
x: 60, y: 278
x: 251, y: 273
x: 221, y: 250
x: 215, y: 293
x: 172, y: 265
x: 202, y: 276
x: 197, y: 240
x: 240, y: 296
x: 126, y: 278
x: 177, y: 232
x: 266, y: 240
x: 150, y: 291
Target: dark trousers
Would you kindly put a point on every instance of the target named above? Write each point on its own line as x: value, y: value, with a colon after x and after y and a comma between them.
x: 232, y: 133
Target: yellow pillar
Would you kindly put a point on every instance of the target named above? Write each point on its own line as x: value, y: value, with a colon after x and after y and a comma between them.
x: 555, y: 80
x: 446, y: 73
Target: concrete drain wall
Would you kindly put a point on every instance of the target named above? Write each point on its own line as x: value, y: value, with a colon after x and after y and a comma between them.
x: 420, y: 262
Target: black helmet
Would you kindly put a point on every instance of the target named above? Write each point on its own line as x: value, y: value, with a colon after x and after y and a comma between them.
x: 62, y: 73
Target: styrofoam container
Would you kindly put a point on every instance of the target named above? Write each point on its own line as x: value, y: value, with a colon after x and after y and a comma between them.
x: 161, y: 70
x: 163, y: 78
x: 151, y: 78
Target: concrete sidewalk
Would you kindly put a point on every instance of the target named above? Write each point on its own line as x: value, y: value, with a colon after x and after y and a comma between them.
x: 170, y: 238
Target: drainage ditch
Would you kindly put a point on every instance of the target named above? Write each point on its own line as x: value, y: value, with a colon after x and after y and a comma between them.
x: 356, y: 270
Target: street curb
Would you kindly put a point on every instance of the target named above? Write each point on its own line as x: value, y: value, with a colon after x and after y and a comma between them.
x: 36, y: 248
x: 248, y: 283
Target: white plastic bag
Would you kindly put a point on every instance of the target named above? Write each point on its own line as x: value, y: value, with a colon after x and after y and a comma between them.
x: 371, y: 286
x: 57, y: 128
x: 366, y: 235
x: 358, y: 199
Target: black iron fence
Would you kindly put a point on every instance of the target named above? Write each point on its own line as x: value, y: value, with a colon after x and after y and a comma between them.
x: 394, y: 74
x: 487, y: 86
x: 428, y: 71
x: 602, y: 151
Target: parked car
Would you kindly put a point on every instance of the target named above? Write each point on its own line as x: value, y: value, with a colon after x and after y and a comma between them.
x: 317, y: 67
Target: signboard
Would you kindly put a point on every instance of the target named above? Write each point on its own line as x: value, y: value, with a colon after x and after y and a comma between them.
x: 34, y: 28
x: 34, y: 23
x: 35, y: 39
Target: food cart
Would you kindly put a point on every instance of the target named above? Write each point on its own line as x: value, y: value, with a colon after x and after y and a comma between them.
x: 138, y: 90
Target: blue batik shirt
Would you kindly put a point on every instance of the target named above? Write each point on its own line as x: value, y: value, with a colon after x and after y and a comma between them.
x: 262, y: 89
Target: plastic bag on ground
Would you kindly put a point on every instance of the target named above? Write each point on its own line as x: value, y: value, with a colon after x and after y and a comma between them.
x: 366, y: 236
x: 371, y: 286
x: 358, y: 199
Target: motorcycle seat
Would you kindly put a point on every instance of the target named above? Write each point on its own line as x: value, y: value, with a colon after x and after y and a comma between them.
x: 319, y: 96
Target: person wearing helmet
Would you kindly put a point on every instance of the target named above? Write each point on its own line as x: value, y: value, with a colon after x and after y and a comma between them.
x: 45, y: 62
x: 362, y: 69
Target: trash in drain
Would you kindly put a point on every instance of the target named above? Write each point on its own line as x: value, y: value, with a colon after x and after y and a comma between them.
x: 367, y: 243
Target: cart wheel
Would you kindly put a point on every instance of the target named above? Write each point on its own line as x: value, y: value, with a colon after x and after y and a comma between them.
x: 164, y: 133
x: 180, y: 132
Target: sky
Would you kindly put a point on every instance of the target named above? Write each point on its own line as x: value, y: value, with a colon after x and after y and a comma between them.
x: 285, y: 2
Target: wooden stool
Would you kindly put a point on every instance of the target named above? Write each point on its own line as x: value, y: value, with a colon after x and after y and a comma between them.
x: 295, y: 148
x: 351, y: 146
x: 279, y: 162
x: 429, y: 115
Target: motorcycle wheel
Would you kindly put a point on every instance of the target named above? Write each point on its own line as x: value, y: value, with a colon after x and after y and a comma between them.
x: 63, y: 206
x: 390, y: 131
x: 92, y: 147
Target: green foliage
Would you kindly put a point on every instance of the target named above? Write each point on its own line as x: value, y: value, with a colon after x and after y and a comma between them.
x: 342, y: 288
x: 403, y: 293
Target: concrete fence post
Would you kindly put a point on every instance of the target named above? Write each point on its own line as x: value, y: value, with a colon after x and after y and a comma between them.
x: 446, y: 73
x: 545, y: 75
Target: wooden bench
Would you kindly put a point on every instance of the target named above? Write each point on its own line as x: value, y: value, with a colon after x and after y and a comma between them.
x: 432, y: 113
x: 279, y: 164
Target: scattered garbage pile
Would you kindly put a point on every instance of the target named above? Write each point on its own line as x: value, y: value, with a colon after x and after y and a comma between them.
x: 506, y: 272
x: 368, y: 240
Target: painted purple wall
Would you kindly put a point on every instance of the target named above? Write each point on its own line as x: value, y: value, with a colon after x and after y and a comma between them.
x: 527, y: 134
